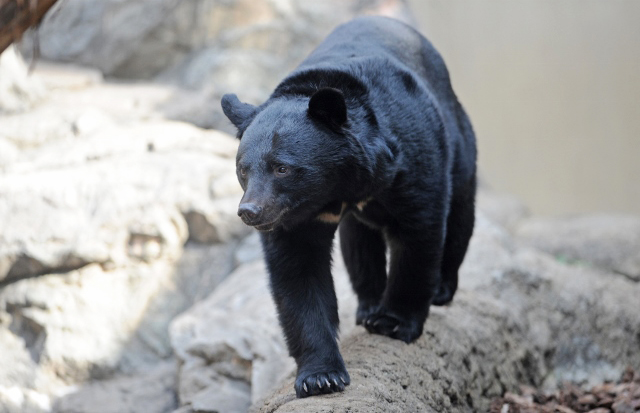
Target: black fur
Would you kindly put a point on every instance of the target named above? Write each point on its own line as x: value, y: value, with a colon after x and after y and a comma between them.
x: 366, y: 134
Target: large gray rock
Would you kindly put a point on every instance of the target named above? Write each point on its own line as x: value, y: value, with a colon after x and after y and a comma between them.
x: 528, y: 319
x: 150, y: 392
x: 131, y: 207
x: 98, y: 195
x: 62, y: 329
x: 229, y: 344
x: 251, y: 52
x: 108, y: 327
x: 207, y: 47
x: 608, y: 241
x: 140, y: 38
x: 120, y: 194
x: 75, y: 325
x: 520, y: 317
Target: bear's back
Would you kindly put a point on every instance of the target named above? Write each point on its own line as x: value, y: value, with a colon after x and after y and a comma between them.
x: 370, y: 39
x: 406, y: 80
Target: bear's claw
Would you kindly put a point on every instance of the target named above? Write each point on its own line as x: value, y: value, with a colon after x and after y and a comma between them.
x: 365, y: 310
x: 321, y: 383
x: 390, y: 324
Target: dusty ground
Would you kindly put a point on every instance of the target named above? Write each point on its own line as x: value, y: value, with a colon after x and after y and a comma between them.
x: 622, y: 396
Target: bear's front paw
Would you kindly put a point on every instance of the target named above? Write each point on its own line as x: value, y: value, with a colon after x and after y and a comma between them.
x: 321, y: 383
x: 365, y: 310
x: 387, y: 323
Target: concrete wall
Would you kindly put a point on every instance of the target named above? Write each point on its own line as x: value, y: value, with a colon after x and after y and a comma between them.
x: 553, y: 91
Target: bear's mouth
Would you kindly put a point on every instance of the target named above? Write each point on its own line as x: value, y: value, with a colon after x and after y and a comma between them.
x: 269, y: 226
x: 265, y: 227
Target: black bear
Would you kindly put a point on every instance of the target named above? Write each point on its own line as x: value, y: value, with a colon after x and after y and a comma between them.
x: 367, y: 136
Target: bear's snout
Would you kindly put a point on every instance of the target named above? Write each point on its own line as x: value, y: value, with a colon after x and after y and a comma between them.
x: 250, y: 213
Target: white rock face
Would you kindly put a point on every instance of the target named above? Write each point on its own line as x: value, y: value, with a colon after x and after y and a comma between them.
x: 99, y: 194
x: 82, y: 328
x: 119, y: 194
x: 18, y: 91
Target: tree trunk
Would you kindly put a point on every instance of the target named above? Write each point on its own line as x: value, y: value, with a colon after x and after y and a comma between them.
x: 16, y: 16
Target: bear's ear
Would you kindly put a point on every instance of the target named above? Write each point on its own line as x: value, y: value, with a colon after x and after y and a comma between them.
x: 328, y: 106
x: 237, y: 112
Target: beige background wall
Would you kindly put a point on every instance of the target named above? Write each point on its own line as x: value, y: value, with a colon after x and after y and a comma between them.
x: 553, y: 91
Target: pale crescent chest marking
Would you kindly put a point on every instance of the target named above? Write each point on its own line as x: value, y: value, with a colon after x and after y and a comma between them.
x: 331, y: 218
x: 360, y: 205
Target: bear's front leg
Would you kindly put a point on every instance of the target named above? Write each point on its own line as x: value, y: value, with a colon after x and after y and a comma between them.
x: 299, y: 264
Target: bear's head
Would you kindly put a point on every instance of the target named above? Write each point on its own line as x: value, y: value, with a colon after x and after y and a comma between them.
x: 294, y: 157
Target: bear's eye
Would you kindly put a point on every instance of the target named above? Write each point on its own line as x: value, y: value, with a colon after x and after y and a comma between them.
x: 243, y: 171
x: 282, y: 170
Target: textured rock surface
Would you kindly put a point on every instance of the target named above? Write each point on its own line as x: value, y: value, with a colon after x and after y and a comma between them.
x: 207, y: 47
x: 59, y: 330
x: 524, y: 319
x: 608, y: 241
x: 503, y: 209
x: 99, y: 194
x: 173, y: 31
x: 17, y: 91
x: 452, y: 365
x: 152, y: 391
x: 109, y: 187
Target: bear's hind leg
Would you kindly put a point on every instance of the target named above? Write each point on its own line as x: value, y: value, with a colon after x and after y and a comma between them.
x: 363, y: 251
x: 414, y: 275
x: 459, y: 230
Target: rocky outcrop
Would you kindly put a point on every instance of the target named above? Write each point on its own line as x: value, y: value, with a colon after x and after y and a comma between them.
x: 92, y: 185
x: 178, y: 32
x: 208, y: 48
x: 521, y: 316
x: 114, y: 221
x: 149, y: 391
x: 534, y: 320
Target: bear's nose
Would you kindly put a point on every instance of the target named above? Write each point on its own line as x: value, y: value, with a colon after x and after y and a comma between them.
x: 249, y: 212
